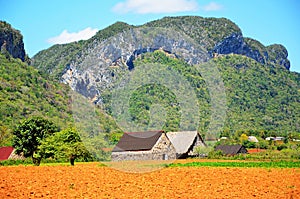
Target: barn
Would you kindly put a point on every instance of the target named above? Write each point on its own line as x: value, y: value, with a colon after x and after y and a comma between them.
x: 231, y: 149
x: 149, y: 145
x: 185, y: 142
x: 7, y: 152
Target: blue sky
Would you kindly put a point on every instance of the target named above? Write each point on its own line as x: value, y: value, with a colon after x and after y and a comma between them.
x: 46, y: 22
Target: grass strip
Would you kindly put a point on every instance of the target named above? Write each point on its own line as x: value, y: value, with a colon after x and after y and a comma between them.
x: 275, y: 164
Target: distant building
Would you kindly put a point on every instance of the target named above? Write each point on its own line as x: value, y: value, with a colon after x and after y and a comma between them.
x: 150, y: 145
x: 222, y: 138
x: 270, y: 138
x: 8, y: 152
x: 275, y: 138
x: 157, y: 145
x: 279, y: 138
x: 231, y: 149
x: 252, y: 139
x: 185, y: 142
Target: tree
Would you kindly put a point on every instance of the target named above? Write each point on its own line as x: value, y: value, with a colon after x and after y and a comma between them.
x: 243, y: 138
x: 64, y: 144
x: 28, y: 136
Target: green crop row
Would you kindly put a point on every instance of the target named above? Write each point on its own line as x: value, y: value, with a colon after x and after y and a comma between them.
x: 271, y: 164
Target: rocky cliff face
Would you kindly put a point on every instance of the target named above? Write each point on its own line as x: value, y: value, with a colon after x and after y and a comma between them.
x: 237, y: 44
x: 93, y: 66
x: 102, y: 63
x: 11, y: 41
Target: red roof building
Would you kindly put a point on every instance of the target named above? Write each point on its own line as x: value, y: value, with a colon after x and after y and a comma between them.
x: 5, y: 152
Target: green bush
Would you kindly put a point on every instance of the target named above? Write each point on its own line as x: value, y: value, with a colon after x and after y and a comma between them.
x: 249, y: 145
x: 282, y: 146
x: 240, y: 157
x: 203, y: 151
x: 27, y: 161
x: 215, y: 154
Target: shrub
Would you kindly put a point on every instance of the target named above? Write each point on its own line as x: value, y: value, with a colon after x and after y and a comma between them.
x: 203, y: 151
x: 282, y: 146
x: 16, y: 162
x: 215, y: 154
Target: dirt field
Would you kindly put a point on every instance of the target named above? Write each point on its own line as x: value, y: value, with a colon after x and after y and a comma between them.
x: 92, y: 181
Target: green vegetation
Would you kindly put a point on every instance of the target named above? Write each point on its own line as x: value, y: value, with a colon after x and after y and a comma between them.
x: 5, y: 135
x: 111, y: 30
x: 29, y: 135
x: 65, y: 144
x: 60, y: 55
x: 27, y: 161
x: 266, y: 164
x: 241, y: 137
x: 288, y: 154
x: 144, y: 97
x: 262, y: 150
x: 25, y: 92
x: 40, y: 139
x: 261, y: 100
x: 205, y: 31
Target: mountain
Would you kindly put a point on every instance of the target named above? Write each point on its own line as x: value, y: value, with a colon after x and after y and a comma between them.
x: 11, y: 41
x: 122, y: 42
x: 260, y: 91
x: 220, y: 35
x: 27, y: 92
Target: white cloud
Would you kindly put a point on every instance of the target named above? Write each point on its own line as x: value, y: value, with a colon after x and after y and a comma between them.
x: 66, y: 37
x: 212, y: 6
x: 155, y: 6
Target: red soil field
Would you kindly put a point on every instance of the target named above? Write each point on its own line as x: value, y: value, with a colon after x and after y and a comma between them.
x: 93, y: 181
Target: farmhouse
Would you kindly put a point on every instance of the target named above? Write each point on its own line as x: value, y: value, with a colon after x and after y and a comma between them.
x: 185, y: 142
x: 231, y: 149
x: 149, y: 145
x: 157, y: 145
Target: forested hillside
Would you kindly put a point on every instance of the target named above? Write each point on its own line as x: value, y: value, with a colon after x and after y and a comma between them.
x: 259, y: 97
x: 25, y: 92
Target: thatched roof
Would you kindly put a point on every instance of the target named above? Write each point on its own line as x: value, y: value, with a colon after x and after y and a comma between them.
x: 137, y: 141
x: 231, y: 149
x: 182, y: 140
